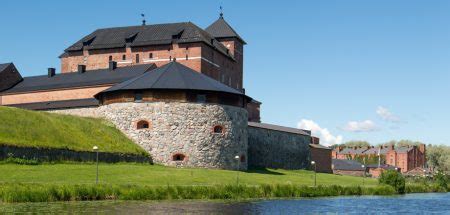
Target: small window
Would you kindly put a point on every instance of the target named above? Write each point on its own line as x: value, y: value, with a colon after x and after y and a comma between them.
x: 218, y: 129
x: 170, y: 58
x: 242, y: 158
x: 178, y: 157
x: 110, y: 58
x: 124, y: 57
x: 187, y: 57
x: 142, y: 125
x: 150, y: 55
x: 201, y: 98
x: 138, y: 97
x: 137, y: 58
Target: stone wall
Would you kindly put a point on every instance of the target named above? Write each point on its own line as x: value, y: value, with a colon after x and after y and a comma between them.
x: 277, y: 149
x: 185, y: 128
x: 52, y: 155
x: 83, y: 112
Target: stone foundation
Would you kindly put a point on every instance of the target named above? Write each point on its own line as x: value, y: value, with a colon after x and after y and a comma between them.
x: 187, y: 129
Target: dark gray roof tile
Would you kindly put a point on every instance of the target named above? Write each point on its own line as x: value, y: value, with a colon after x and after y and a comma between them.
x: 349, y: 165
x: 75, y: 79
x: 221, y: 29
x: 279, y: 128
x: 173, y: 76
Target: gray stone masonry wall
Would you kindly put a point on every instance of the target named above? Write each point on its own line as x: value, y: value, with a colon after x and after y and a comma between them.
x: 83, y: 112
x: 185, y: 128
x: 277, y: 149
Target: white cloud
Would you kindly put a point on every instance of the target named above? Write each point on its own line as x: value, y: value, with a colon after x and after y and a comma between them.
x: 386, y: 115
x: 326, y: 138
x: 363, y: 126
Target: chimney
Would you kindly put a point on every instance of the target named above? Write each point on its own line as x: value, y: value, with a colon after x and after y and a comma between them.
x: 391, y: 147
x: 112, y: 65
x: 422, y: 148
x: 51, y: 72
x: 81, y: 68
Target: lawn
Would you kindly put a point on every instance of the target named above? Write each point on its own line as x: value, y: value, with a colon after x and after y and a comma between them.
x: 46, y: 130
x: 144, y: 174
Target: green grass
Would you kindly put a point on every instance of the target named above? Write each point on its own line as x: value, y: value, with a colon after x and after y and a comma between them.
x: 46, y: 130
x: 155, y: 175
x: 47, y: 193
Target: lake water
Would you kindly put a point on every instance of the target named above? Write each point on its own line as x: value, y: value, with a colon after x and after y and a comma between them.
x: 433, y: 203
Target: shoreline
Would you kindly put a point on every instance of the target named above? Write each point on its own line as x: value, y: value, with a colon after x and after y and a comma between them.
x: 22, y: 193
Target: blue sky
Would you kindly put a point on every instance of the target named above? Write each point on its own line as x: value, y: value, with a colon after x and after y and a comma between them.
x: 349, y: 70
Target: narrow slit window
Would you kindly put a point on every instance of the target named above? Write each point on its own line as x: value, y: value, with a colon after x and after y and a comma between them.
x: 137, y: 58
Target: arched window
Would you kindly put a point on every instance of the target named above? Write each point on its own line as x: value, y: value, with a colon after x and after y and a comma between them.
x: 187, y: 57
x: 124, y: 57
x: 242, y: 157
x: 137, y: 58
x: 143, y: 124
x: 110, y: 58
x: 218, y: 129
x: 178, y: 157
x: 170, y: 58
x: 150, y: 55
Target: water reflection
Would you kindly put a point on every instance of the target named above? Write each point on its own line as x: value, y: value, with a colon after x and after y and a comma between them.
x: 409, y: 204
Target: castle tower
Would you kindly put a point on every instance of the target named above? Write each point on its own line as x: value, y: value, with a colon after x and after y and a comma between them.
x: 226, y: 35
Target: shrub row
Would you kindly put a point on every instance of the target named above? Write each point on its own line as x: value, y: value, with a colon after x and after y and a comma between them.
x: 46, y: 193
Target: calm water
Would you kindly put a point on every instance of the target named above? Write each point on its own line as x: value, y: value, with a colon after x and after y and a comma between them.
x: 408, y: 204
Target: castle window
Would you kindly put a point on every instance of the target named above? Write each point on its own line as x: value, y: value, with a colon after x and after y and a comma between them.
x: 218, y: 129
x: 150, y: 55
x: 110, y: 58
x: 143, y: 124
x: 187, y: 57
x: 137, y: 58
x: 170, y: 58
x: 138, y: 97
x: 178, y: 157
x: 201, y: 98
x: 242, y: 158
x: 124, y: 57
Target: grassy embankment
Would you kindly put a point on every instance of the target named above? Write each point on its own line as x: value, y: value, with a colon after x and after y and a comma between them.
x: 74, y: 182
x: 45, y: 130
x: 25, y: 183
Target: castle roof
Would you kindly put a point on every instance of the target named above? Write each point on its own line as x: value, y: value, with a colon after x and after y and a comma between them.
x: 279, y: 128
x: 221, y: 29
x: 9, y: 76
x: 75, y: 79
x: 173, y: 76
x: 145, y: 35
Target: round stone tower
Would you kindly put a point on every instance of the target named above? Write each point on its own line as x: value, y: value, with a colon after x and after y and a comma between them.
x: 181, y: 117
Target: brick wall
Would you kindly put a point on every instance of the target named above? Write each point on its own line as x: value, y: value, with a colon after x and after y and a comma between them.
x: 197, y: 56
x: 322, y: 157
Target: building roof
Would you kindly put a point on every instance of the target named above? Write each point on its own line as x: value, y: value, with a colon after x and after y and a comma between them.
x: 76, y: 103
x: 173, y: 76
x: 279, y: 128
x: 145, y: 35
x: 351, y: 150
x: 221, y: 29
x: 75, y: 79
x: 349, y: 165
x: 318, y: 146
x: 3, y: 66
x: 404, y: 149
x: 375, y: 150
x: 382, y: 166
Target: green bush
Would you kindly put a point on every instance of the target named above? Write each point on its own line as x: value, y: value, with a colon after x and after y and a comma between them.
x: 441, y: 180
x: 394, y: 179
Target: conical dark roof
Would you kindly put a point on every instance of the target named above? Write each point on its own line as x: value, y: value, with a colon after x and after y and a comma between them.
x: 221, y: 29
x: 173, y: 76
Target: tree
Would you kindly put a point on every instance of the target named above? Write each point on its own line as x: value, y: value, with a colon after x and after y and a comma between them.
x: 438, y: 157
x: 394, y: 179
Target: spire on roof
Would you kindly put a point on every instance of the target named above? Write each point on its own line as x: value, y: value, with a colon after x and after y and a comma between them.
x: 221, y: 12
x: 143, y: 18
x: 221, y: 29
